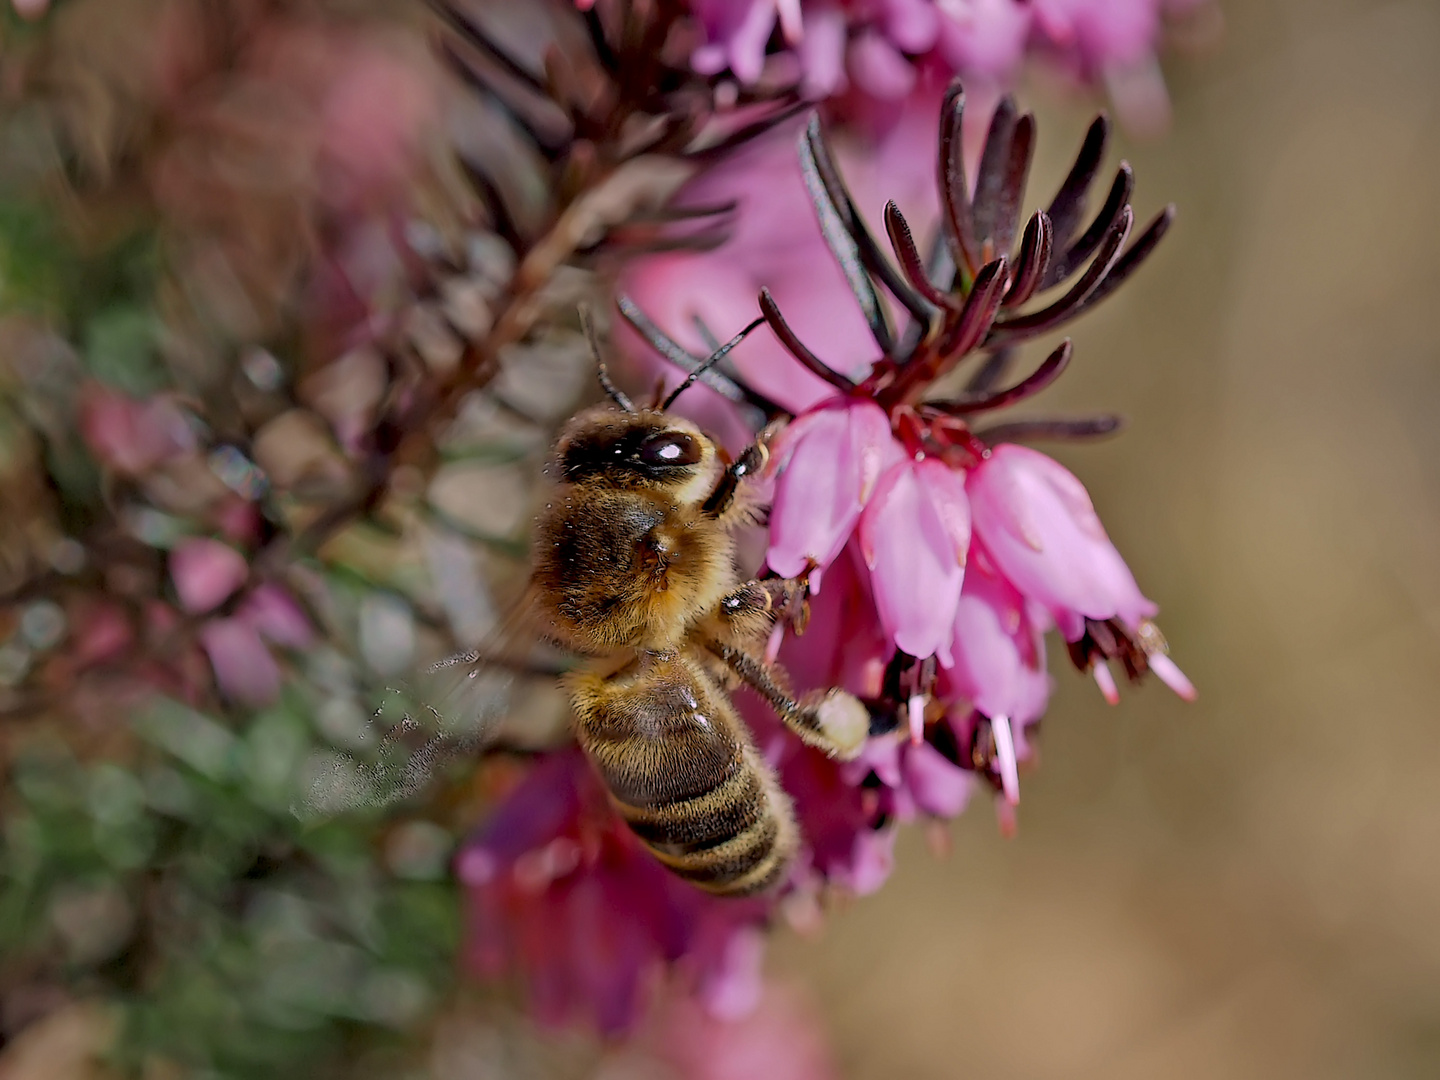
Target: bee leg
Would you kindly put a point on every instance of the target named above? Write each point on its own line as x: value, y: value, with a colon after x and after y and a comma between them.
x: 722, y: 500
x: 748, y: 613
x: 752, y: 459
x: 834, y: 720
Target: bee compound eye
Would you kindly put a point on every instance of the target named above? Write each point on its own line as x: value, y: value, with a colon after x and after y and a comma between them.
x: 670, y: 448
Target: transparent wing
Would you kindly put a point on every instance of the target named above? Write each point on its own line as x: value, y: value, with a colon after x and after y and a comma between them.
x: 415, y: 728
x: 439, y: 718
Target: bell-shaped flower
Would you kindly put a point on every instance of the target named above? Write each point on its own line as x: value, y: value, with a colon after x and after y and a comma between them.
x: 685, y: 1040
x: 914, y: 534
x: 828, y: 463
x: 868, y: 53
x: 1037, y: 522
x: 914, y: 778
x: 998, y: 650
x: 279, y: 618
x: 244, y: 668
x: 206, y: 573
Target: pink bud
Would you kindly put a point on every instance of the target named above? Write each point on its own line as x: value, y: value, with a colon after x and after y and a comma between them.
x: 275, y: 613
x: 206, y: 573
x: 244, y: 669
x: 129, y: 435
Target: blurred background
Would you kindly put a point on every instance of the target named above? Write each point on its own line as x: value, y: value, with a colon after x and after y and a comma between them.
x: 1247, y: 886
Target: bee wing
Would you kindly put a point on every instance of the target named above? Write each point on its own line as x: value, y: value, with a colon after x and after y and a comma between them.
x: 435, y: 718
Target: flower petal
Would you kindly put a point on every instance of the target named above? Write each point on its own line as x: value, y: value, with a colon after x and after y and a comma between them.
x: 817, y: 497
x: 206, y: 573
x: 1039, y: 526
x: 946, y: 488
x: 939, y: 786
x: 244, y: 668
x: 830, y: 460
x: 914, y: 569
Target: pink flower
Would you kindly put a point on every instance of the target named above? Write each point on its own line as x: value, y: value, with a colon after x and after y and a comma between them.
x: 244, y: 669
x: 915, y: 777
x: 1099, y: 33
x: 206, y: 573
x: 1039, y: 525
x: 827, y: 464
x: 128, y: 435
x: 879, y: 46
x: 279, y: 619
x: 839, y: 468
x: 737, y: 31
x: 998, y: 680
x: 999, y: 651
x: 914, y: 534
x: 988, y: 43
x: 561, y: 896
x: 780, y: 1039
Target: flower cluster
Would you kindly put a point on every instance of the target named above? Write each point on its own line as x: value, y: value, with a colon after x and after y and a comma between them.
x: 289, y: 310
x: 939, y: 552
x: 972, y: 546
x: 961, y: 546
x: 562, y: 895
x: 881, y: 49
x: 278, y: 367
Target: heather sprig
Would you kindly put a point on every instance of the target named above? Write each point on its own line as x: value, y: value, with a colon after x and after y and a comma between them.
x: 900, y: 447
x: 277, y: 370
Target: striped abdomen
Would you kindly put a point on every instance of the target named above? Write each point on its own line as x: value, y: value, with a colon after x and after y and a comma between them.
x: 684, y: 774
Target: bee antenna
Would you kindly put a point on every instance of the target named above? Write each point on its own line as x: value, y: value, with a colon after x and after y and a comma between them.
x: 602, y: 372
x: 709, y: 362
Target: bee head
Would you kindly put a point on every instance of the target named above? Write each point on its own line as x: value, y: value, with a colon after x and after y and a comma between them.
x: 647, y: 449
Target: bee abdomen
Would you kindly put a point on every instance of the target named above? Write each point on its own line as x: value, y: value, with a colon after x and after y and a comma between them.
x: 683, y: 773
x: 734, y: 840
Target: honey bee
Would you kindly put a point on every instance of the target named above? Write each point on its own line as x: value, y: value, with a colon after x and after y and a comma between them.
x: 634, y: 569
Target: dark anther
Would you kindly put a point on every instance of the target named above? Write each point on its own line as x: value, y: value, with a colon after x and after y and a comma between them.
x: 1109, y: 640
